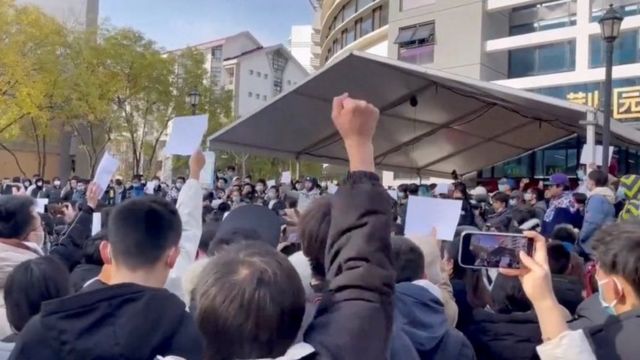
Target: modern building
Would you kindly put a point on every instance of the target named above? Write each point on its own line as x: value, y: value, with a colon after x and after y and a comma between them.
x: 552, y: 47
x: 62, y: 151
x: 300, y: 45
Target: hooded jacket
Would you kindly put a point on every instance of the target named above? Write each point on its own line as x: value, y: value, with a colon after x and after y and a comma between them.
x: 630, y: 185
x: 124, y: 321
x: 599, y: 212
x: 419, y: 315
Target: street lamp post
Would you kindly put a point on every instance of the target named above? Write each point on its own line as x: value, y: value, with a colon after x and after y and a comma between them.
x: 610, y: 30
x: 193, y: 99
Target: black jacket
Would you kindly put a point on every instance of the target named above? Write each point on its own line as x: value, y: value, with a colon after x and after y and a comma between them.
x: 568, y: 291
x: 83, y: 273
x: 354, y: 319
x: 419, y: 315
x: 54, y: 194
x: 617, y: 338
x: 69, y: 249
x: 589, y: 313
x: 504, y: 336
x: 467, y: 218
x: 125, y: 321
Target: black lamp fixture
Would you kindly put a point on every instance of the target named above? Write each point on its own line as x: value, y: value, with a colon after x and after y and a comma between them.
x: 610, y: 24
x: 193, y: 99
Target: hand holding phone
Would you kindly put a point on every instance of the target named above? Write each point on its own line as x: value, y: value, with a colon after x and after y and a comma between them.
x: 493, y: 250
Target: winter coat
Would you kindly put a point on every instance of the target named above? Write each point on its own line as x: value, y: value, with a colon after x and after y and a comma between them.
x: 305, y: 198
x: 500, y: 221
x: 69, y: 248
x: 82, y: 274
x: 467, y: 218
x: 618, y: 335
x: 504, y: 336
x: 53, y: 193
x: 568, y: 291
x: 589, y: 313
x: 540, y: 209
x: 12, y: 253
x: 419, y: 315
x: 126, y: 321
x: 354, y: 318
x: 561, y: 211
x: 631, y: 187
x: 599, y: 212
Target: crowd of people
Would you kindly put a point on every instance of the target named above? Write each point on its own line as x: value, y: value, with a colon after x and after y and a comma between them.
x: 295, y: 271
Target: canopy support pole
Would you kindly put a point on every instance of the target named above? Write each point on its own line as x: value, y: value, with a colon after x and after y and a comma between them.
x: 590, y: 127
x: 297, y: 168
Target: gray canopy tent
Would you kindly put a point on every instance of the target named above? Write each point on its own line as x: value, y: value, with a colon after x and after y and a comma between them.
x: 431, y: 122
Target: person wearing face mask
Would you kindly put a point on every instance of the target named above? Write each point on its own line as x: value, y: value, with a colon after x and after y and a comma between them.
x: 27, y: 185
x: 308, y: 194
x: 505, y: 185
x: 562, y: 209
x: 274, y: 203
x: 173, y: 194
x: 500, y: 220
x: 599, y: 209
x: 535, y: 197
x: 137, y: 187
x: 80, y: 194
x: 38, y: 189
x: 260, y: 195
x: 53, y: 192
x: 617, y: 248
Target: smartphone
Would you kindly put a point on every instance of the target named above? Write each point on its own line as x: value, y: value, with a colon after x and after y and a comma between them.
x: 493, y: 250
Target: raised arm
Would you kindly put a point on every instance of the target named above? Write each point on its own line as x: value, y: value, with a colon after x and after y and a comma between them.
x: 355, y: 317
x: 190, y: 210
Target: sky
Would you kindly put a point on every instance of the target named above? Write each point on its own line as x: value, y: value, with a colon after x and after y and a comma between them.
x: 175, y: 24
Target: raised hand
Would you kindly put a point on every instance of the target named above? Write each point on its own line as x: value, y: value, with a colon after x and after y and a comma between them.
x: 196, y: 164
x: 93, y: 195
x: 356, y: 121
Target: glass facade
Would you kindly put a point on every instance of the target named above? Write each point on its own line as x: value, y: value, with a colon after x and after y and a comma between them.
x: 625, y: 7
x: 416, y: 44
x: 626, y: 49
x: 540, y: 60
x: 544, y: 16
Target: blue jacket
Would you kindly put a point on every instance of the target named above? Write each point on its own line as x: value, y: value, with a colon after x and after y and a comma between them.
x: 419, y: 317
x: 599, y: 212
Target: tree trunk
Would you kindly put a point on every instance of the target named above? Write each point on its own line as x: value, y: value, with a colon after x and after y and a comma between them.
x: 44, y: 155
x: 15, y: 158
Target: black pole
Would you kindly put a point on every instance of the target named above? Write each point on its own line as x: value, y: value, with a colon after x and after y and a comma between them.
x: 193, y: 109
x: 606, y: 126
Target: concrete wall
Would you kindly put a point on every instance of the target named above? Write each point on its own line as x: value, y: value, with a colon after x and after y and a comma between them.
x: 300, y: 44
x: 73, y: 13
x: 461, y: 28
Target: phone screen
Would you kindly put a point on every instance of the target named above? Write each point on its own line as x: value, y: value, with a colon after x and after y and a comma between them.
x: 493, y: 250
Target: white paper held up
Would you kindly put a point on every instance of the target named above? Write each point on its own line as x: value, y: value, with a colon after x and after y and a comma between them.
x: 425, y: 213
x: 186, y: 134
x: 96, y: 223
x: 107, y: 167
x: 40, y: 204
x: 286, y: 177
x: 586, y: 155
x: 208, y: 174
x: 271, y: 183
x: 332, y: 188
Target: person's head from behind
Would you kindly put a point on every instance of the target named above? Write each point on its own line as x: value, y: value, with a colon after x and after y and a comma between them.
x: 313, y: 231
x: 250, y: 303
x: 500, y: 201
x: 30, y: 284
x: 565, y: 234
x: 580, y: 199
x: 508, y: 296
x: 18, y: 217
x: 597, y: 178
x: 559, y: 258
x: 413, y: 189
x: 143, y: 240
x: 408, y: 260
x: 617, y: 250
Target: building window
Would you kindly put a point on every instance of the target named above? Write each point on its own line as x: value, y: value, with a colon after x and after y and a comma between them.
x: 363, y: 3
x: 343, y: 39
x: 626, y: 49
x: 288, y: 82
x: 366, y: 25
x: 412, y: 4
x: 259, y: 74
x: 358, y: 27
x: 377, y: 18
x: 264, y: 97
x: 250, y: 72
x: 349, y: 9
x: 545, y: 16
x: 351, y: 35
x: 257, y: 96
x: 416, y: 44
x: 279, y: 63
x: 625, y: 7
x: 216, y: 53
x: 539, y: 60
x: 250, y: 94
x: 266, y: 76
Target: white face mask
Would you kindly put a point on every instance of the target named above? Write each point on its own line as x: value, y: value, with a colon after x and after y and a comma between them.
x: 528, y: 196
x: 56, y: 183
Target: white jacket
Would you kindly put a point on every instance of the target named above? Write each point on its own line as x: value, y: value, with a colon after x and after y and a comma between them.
x: 570, y: 345
x: 190, y: 210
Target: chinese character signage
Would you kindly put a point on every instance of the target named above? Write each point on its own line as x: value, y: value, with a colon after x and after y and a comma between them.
x: 626, y: 102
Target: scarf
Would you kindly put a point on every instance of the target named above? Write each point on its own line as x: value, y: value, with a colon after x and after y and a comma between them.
x: 565, y: 201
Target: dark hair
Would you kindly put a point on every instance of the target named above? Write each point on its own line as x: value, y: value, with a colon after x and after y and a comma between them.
x: 413, y: 189
x: 31, y: 283
x: 250, y: 303
x: 599, y: 177
x: 564, y: 233
x: 403, y: 188
x: 231, y: 168
x: 291, y: 202
x: 262, y: 181
x: 105, y: 214
x: 559, y: 258
x: 580, y: 198
x: 181, y: 178
x: 313, y: 232
x: 501, y: 197
x: 223, y: 179
x: 538, y: 192
x: 508, y: 296
x: 236, y: 235
x: 522, y: 213
x: 141, y: 230
x: 209, y: 231
x: 407, y: 259
x: 617, y: 248
x: 91, y: 249
x: 462, y: 188
x: 16, y: 216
